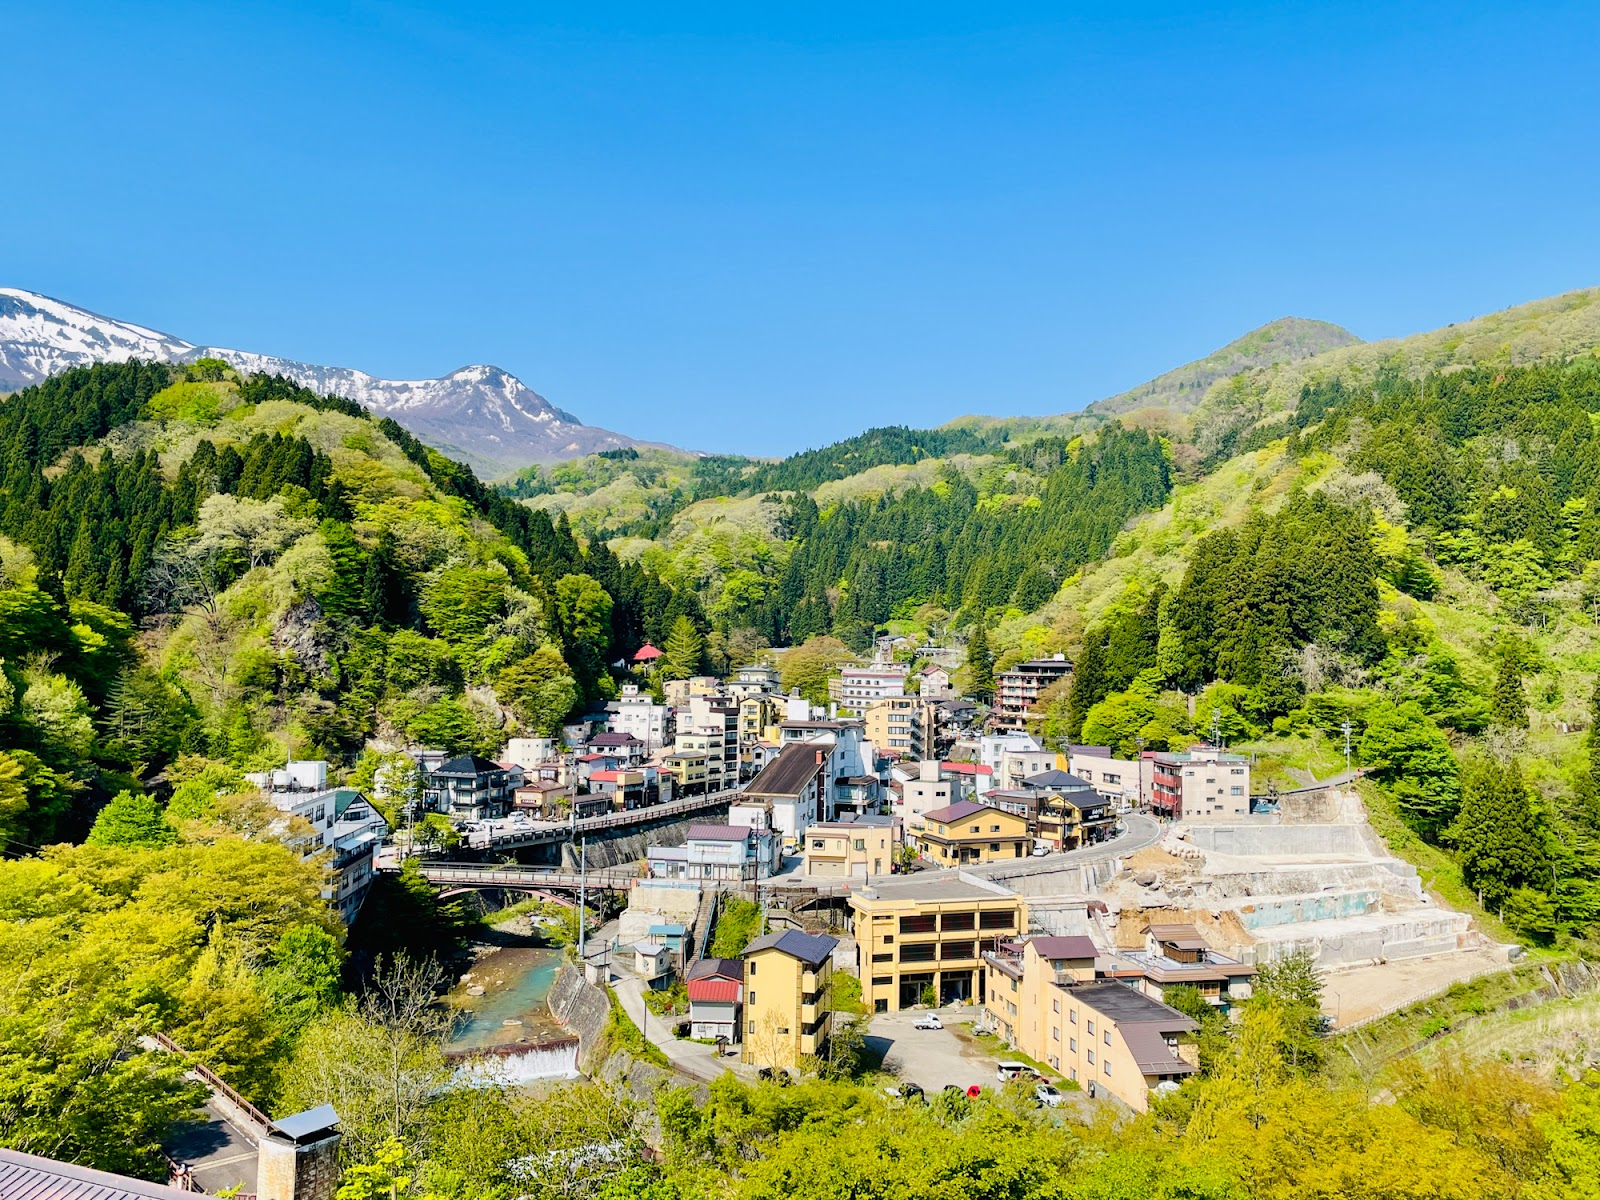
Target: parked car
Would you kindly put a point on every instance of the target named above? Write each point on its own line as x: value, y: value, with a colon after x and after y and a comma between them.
x: 930, y: 1021
x: 911, y: 1091
x: 1007, y: 1071
x: 1047, y: 1095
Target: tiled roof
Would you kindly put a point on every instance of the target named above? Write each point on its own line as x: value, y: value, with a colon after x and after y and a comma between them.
x: 718, y: 833
x: 1064, y: 947
x: 727, y: 968
x: 811, y: 949
x: 468, y: 764
x: 955, y: 812
x: 966, y: 768
x: 1059, y: 780
x: 26, y: 1177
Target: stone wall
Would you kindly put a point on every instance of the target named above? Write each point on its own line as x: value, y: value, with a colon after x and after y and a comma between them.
x: 630, y: 847
x: 581, y: 1007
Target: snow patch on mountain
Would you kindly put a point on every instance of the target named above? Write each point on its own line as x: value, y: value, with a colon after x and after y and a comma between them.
x: 481, y: 414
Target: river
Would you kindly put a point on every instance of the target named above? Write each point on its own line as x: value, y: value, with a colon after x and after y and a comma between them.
x: 503, y: 1027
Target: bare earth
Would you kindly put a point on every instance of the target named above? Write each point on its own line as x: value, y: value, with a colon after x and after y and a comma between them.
x: 1356, y: 995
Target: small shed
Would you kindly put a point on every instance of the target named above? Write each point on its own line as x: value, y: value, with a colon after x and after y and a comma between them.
x: 652, y: 962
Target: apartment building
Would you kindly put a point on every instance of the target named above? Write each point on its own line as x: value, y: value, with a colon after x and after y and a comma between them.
x: 716, y: 992
x: 786, y: 1000
x: 1063, y: 812
x: 468, y: 788
x: 793, y: 786
x: 856, y: 687
x: 636, y: 713
x: 721, y: 770
x: 1017, y: 690
x: 934, y: 682
x: 1201, y: 784
x: 858, y: 848
x: 1175, y: 955
x: 902, y: 727
x: 687, y: 771
x: 973, y: 833
x: 1042, y: 997
x: 920, y: 936
x: 723, y: 854
x: 1124, y: 781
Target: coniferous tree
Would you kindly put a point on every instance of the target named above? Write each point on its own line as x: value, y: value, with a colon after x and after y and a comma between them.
x: 1510, y: 703
x: 1496, y: 833
x: 980, y: 663
x: 682, y: 656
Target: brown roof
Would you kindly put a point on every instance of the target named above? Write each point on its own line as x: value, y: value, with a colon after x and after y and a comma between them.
x: 719, y: 833
x: 1064, y: 947
x: 1150, y: 1051
x: 726, y: 968
x: 1184, y: 937
x: 956, y: 812
x: 789, y: 774
x: 25, y: 1177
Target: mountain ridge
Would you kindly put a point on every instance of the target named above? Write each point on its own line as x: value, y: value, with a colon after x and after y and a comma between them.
x: 479, y: 413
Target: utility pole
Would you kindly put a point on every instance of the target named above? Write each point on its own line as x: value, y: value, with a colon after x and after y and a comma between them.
x: 1345, y: 728
x: 583, y: 879
x: 1216, y: 728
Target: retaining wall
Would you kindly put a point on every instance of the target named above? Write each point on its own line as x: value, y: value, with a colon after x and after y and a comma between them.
x: 581, y: 1007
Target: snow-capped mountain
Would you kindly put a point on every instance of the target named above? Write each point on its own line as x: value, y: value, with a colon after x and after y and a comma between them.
x: 481, y: 415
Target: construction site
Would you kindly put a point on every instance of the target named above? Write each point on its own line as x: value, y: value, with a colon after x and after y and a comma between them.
x: 1312, y: 877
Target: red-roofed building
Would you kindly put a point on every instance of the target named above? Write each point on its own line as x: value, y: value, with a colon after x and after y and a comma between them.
x: 715, y: 996
x: 647, y: 654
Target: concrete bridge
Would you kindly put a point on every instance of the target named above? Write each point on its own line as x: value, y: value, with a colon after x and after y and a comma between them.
x: 462, y: 876
x: 552, y: 833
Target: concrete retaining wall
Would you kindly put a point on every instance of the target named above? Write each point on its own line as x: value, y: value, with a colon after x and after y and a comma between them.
x: 1279, y: 840
x: 581, y: 1007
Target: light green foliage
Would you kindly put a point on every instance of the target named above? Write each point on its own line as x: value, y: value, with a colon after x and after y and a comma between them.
x: 540, y: 689
x: 132, y: 819
x: 684, y: 654
x: 56, y: 707
x: 1292, y: 987
x: 1572, y: 1169
x: 459, y: 603
x: 1405, y: 750
x: 738, y: 923
x: 806, y: 668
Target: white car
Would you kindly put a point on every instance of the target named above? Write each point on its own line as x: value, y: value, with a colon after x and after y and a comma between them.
x: 1047, y: 1094
x: 931, y: 1021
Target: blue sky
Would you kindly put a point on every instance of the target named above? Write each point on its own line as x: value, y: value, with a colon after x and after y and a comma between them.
x: 760, y: 227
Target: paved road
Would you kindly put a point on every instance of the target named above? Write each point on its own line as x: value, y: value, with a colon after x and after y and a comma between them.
x: 690, y: 1058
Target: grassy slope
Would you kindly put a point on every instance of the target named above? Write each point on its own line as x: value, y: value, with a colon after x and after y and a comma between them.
x: 1287, y: 340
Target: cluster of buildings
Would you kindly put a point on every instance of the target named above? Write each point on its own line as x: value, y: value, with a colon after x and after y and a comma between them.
x: 339, y: 822
x: 1096, y: 1016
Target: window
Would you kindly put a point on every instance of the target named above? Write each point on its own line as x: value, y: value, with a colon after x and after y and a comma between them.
x: 1105, y: 1066
x: 1236, y: 790
x: 923, y: 952
x: 818, y: 843
x: 976, y: 828
x: 994, y: 847
x: 877, y: 958
x: 921, y: 923
x: 752, y: 966
x: 1072, y: 1044
x: 1055, y: 1005
x: 1073, y: 1016
x: 994, y: 829
x: 1091, y: 1028
x: 752, y: 999
x: 1055, y: 1033
x: 888, y: 939
x: 882, y: 980
x: 1091, y: 1058
x: 1108, y: 777
x: 956, y: 950
x: 1073, y: 1074
x: 1004, y: 919
x: 860, y: 844
x: 960, y: 921
x: 1108, y: 1037
x: 752, y: 1026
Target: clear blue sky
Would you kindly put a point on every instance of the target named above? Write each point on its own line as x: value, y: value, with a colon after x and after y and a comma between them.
x: 757, y: 228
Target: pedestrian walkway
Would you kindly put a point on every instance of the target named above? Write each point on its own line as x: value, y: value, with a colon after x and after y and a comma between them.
x: 690, y: 1058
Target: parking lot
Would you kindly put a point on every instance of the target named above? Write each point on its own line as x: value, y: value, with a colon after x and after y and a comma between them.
x: 933, y: 1058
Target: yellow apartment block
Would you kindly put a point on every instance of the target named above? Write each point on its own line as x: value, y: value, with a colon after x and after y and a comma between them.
x: 966, y: 832
x: 786, y: 1005
x: 927, y: 932
x: 855, y: 849
x: 1042, y: 998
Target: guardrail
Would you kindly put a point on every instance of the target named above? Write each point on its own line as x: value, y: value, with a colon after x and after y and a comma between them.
x: 564, y: 831
x: 215, y: 1082
x: 496, y: 875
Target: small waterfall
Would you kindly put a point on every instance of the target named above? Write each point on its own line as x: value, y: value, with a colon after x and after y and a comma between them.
x: 554, y: 1059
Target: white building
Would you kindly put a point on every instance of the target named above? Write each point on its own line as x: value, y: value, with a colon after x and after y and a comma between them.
x: 1201, y: 784
x: 1124, y: 781
x: 856, y: 687
x: 637, y: 713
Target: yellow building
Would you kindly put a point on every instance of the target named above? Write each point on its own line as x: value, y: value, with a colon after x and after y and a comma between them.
x: 786, y: 998
x: 689, y: 771
x: 854, y: 849
x: 928, y: 932
x: 1042, y: 998
x: 973, y: 833
x: 902, y: 726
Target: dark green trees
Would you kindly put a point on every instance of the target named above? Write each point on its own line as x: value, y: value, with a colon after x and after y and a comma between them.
x: 1497, y: 834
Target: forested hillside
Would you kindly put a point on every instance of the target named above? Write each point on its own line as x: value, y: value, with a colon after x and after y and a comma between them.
x: 197, y: 564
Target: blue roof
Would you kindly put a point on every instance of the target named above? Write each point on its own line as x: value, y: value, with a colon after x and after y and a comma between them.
x: 673, y: 930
